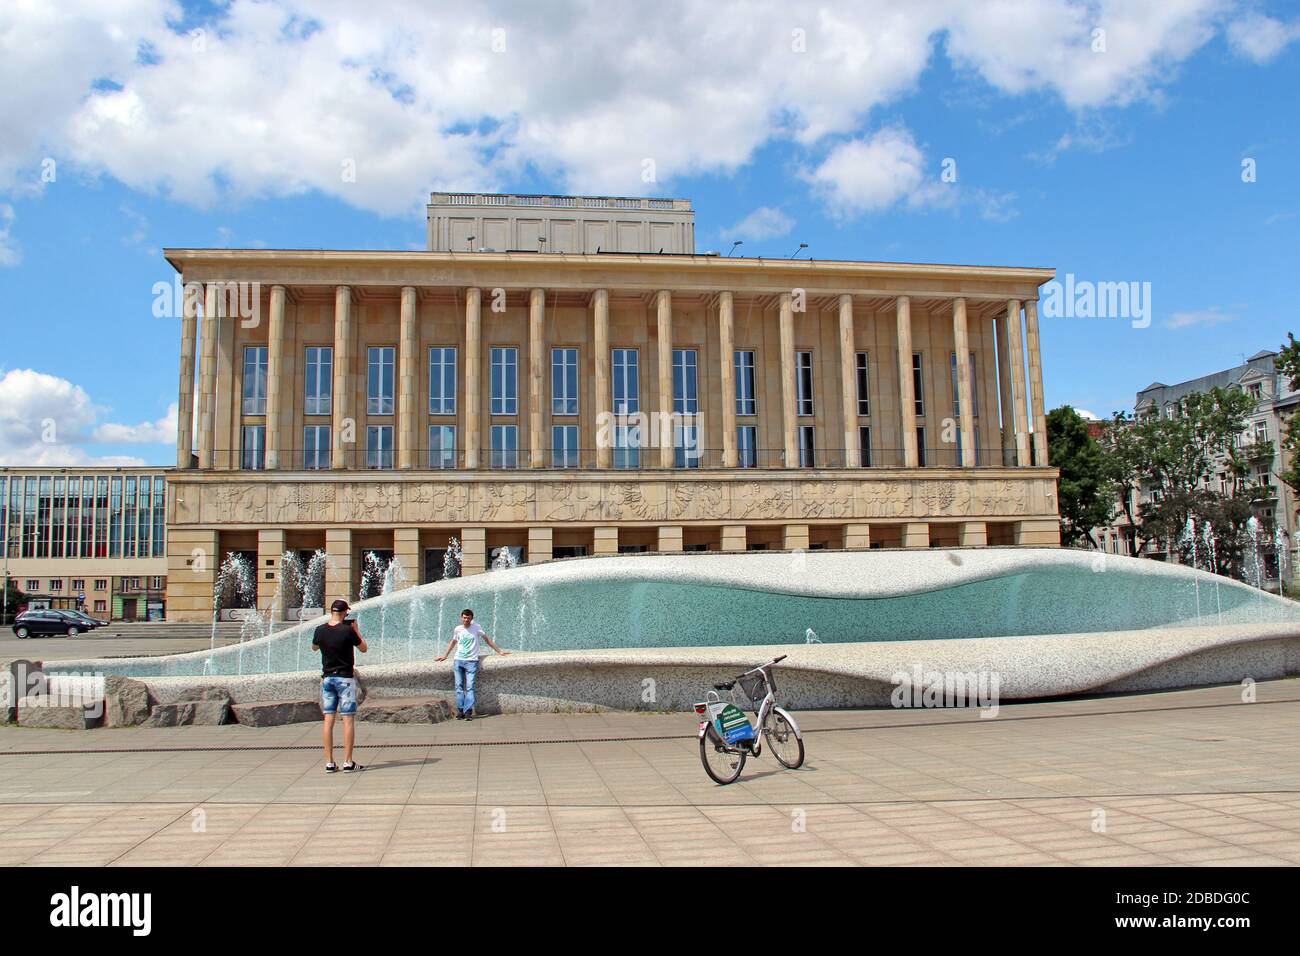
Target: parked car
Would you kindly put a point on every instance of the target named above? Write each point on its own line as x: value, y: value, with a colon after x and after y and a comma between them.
x: 46, y: 622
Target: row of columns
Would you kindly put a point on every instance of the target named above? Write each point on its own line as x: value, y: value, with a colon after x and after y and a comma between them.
x: 1017, y: 397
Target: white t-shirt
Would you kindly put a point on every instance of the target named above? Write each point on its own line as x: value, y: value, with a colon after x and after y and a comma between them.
x: 469, y: 642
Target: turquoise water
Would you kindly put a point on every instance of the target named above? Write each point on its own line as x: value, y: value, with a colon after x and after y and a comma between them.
x: 416, y: 624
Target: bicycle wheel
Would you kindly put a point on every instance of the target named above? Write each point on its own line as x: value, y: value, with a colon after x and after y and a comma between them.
x: 781, y: 737
x: 723, y: 766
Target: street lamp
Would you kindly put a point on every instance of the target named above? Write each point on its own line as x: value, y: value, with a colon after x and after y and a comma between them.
x: 738, y: 242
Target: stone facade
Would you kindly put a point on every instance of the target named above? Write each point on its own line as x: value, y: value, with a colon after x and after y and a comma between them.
x: 928, y: 477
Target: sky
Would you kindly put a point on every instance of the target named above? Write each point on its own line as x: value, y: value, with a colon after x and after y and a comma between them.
x: 1153, y: 142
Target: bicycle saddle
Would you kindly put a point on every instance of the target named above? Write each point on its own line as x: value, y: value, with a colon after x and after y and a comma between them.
x: 727, y: 686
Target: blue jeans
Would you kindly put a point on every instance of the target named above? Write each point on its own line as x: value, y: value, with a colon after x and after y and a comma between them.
x: 466, y: 673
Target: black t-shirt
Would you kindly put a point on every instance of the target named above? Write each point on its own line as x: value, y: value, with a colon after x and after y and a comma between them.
x: 336, y: 642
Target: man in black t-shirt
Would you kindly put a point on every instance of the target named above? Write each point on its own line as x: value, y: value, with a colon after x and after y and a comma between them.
x: 338, y: 687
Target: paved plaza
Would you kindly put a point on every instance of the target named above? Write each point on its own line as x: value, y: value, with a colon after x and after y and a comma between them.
x: 1188, y: 777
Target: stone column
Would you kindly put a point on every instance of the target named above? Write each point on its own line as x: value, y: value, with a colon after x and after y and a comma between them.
x: 849, y: 383
x: 344, y: 425
x: 1005, y: 405
x: 794, y: 537
x: 541, y: 545
x: 727, y: 346
x: 473, y: 551
x: 274, y: 373
x: 962, y: 348
x: 208, y: 378
x: 789, y: 418
x: 906, y: 389
x: 408, y: 375
x: 338, y: 571
x: 973, y: 534
x: 185, y: 397
x: 664, y: 331
x: 270, y: 548
x: 192, y: 561
x: 604, y: 398
x: 473, y: 367
x: 916, y: 534
x: 406, y: 551
x: 227, y: 414
x: 857, y: 537
x: 536, y: 375
x: 670, y: 538
x: 604, y: 540
x: 1043, y: 532
x: 1016, y: 354
x: 734, y: 537
x: 1036, y: 382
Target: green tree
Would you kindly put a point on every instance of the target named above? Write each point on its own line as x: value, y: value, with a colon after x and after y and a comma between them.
x: 1288, y: 364
x: 16, y: 598
x: 1083, y: 490
x: 1176, y: 459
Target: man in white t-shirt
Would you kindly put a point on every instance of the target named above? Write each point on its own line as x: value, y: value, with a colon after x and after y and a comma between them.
x: 467, y: 638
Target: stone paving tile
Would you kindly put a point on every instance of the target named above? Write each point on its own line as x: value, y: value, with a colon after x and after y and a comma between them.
x: 907, y: 788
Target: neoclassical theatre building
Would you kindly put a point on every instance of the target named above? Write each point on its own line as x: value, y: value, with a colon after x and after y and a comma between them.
x: 563, y: 376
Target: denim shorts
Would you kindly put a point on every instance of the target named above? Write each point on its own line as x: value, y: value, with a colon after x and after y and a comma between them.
x: 338, y: 694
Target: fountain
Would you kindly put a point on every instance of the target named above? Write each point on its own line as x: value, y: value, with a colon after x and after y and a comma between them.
x: 1037, y: 616
x: 451, y: 559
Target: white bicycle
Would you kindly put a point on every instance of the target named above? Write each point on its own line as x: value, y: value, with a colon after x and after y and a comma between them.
x: 726, y: 737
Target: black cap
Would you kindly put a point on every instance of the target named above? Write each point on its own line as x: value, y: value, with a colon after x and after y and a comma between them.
x: 340, y: 606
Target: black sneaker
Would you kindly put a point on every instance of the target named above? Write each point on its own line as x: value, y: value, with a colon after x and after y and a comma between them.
x: 460, y: 715
x: 331, y: 767
x: 352, y: 767
x: 469, y: 715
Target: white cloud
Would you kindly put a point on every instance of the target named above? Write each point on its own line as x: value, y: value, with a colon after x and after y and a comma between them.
x: 10, y: 255
x: 160, y: 432
x: 1086, y: 415
x: 279, y: 97
x: 1260, y: 38
x: 1211, y: 316
x: 765, y: 222
x: 47, y: 420
x: 873, y: 173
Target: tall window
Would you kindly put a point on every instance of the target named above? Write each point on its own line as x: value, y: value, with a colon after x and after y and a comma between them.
x: 505, y: 382
x: 978, y: 462
x: 746, y: 397
x: 564, y: 381
x: 864, y: 446
x: 864, y: 384
x: 88, y: 515
x: 804, y: 383
x: 159, y: 517
x: 746, y: 450
x: 379, y: 380
x: 255, y: 379
x: 442, y: 446
x: 442, y: 381
x: 920, y: 445
x: 956, y: 391
x: 627, y: 446
x: 627, y: 400
x: 253, y: 455
x: 685, y: 383
x: 807, y: 457
x: 564, y: 446
x: 316, y: 447
x: 505, y: 445
x: 379, y: 446
x: 319, y: 381
x: 686, y: 446
x: 918, y: 384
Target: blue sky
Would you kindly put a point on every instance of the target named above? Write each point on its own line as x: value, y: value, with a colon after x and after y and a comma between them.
x: 1123, y: 164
